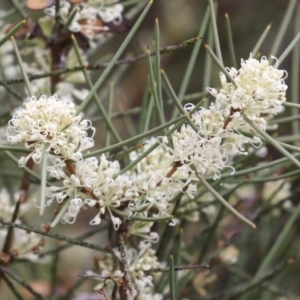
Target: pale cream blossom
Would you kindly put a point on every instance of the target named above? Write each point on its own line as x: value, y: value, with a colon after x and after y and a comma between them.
x: 51, y: 125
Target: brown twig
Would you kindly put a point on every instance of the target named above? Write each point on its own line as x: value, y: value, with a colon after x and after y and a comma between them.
x: 125, y: 266
x: 94, y: 67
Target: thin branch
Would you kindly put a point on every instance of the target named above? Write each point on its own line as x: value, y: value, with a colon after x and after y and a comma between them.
x: 95, y: 67
x: 56, y: 236
x: 179, y: 268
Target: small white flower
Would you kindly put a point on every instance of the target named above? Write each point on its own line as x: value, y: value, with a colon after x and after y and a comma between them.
x: 229, y: 255
x: 143, y: 230
x: 93, y: 184
x: 205, y: 155
x: 73, y: 210
x: 209, y: 121
x: 151, y: 189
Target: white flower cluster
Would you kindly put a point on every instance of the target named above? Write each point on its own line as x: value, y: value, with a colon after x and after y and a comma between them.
x: 93, y: 184
x: 91, y: 17
x: 140, y: 262
x: 259, y: 91
x: 145, y: 193
x: 51, y: 125
x: 97, y: 184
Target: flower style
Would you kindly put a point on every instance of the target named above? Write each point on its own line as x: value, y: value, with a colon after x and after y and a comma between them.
x: 49, y: 124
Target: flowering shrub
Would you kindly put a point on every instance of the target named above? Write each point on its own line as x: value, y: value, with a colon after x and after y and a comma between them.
x: 185, y: 174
